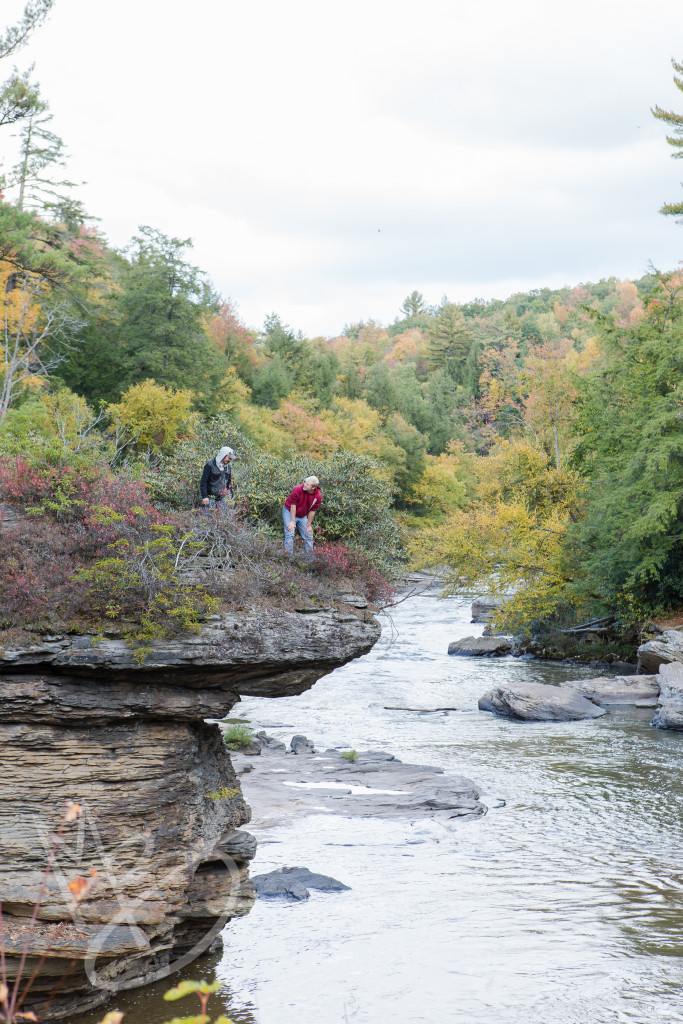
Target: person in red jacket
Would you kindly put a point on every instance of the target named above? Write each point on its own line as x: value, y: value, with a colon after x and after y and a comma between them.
x: 298, y: 512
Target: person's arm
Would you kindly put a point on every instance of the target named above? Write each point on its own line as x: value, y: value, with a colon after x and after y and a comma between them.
x: 314, y: 509
x: 204, y: 485
x: 292, y: 517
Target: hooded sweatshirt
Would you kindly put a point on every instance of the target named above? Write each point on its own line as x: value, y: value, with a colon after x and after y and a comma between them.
x: 216, y: 476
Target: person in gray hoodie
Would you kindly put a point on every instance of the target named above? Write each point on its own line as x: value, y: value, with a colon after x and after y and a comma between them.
x: 216, y: 482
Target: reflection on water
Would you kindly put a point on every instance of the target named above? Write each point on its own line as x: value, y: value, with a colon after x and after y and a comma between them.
x: 565, y: 906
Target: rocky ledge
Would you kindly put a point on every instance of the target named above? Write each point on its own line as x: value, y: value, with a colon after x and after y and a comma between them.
x: 284, y: 782
x: 161, y: 806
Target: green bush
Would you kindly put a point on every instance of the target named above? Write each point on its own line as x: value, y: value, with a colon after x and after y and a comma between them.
x: 349, y: 755
x: 356, y: 506
x: 238, y: 736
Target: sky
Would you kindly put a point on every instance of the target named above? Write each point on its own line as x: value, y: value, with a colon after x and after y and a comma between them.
x: 327, y: 159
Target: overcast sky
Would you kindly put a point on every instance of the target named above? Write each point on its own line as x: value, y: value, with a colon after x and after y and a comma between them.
x: 327, y: 159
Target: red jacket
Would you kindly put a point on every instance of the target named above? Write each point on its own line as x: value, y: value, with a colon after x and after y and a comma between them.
x: 304, y: 501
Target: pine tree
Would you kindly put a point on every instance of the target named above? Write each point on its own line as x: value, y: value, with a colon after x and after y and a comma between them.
x: 676, y: 138
x: 162, y: 308
x: 413, y: 304
x: 450, y: 340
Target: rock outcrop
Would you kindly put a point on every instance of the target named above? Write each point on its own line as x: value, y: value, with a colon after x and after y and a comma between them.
x: 669, y: 714
x: 663, y: 649
x: 161, y: 807
x: 538, y: 702
x: 484, y: 608
x: 481, y: 646
x: 629, y: 689
x: 373, y: 784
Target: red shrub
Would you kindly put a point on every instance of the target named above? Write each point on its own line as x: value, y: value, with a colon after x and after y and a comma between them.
x: 339, y: 561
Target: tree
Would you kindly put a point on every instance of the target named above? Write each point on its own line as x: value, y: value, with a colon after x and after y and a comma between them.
x: 41, y: 149
x: 630, y: 448
x: 162, y: 308
x: 450, y: 340
x: 35, y: 333
x: 676, y: 139
x: 18, y: 95
x: 511, y: 540
x: 152, y: 416
x: 413, y: 304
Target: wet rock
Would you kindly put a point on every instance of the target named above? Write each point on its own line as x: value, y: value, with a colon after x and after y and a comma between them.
x: 665, y: 648
x: 301, y: 745
x: 484, y: 608
x: 669, y: 716
x: 670, y: 680
x: 631, y: 689
x: 480, y: 646
x: 239, y: 845
x: 538, y: 702
x: 294, y: 883
x: 377, y: 784
x: 270, y: 742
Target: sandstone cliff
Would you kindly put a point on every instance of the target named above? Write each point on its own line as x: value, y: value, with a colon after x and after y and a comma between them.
x: 161, y: 805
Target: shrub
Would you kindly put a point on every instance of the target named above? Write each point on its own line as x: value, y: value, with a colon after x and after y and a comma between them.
x: 238, y: 736
x: 349, y: 755
x: 338, y: 561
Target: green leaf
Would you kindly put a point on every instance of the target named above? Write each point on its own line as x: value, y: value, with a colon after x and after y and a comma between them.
x: 186, y: 988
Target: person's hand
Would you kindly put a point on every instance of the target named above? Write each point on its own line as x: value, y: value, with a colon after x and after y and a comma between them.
x: 309, y: 531
x: 290, y: 526
x: 205, y: 501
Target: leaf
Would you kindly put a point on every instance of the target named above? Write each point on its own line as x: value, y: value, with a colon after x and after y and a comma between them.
x: 73, y: 811
x: 186, y: 988
x: 4, y: 992
x: 113, y: 1017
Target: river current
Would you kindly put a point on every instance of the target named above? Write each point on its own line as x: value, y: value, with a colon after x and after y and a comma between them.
x: 563, y: 905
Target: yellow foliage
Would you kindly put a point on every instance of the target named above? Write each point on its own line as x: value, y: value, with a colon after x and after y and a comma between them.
x: 357, y: 427
x: 511, y: 540
x: 258, y: 425
x: 234, y: 393
x: 441, y: 488
x: 153, y: 416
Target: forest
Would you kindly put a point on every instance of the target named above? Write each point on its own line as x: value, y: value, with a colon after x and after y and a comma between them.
x: 529, y: 446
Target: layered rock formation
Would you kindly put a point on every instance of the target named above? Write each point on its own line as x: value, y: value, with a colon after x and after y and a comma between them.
x: 81, y: 720
x: 538, y: 702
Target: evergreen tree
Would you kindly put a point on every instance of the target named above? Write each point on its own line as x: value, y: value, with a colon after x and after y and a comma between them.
x: 676, y: 139
x: 631, y: 449
x: 413, y: 305
x: 450, y: 340
x: 18, y: 95
x: 41, y: 151
x: 162, y: 308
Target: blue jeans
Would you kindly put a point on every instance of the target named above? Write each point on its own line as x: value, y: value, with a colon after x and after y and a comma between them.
x: 216, y: 506
x: 301, y: 526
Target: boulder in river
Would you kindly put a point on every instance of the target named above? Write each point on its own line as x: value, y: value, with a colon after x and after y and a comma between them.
x: 480, y: 646
x: 669, y: 716
x: 294, y: 883
x: 616, y: 689
x: 538, y: 702
x: 665, y: 648
x: 670, y: 680
x: 484, y: 608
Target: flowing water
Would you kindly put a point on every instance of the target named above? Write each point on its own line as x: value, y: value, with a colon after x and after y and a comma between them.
x: 564, y: 906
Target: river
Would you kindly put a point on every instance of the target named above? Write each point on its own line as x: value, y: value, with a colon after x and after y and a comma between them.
x: 562, y: 906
